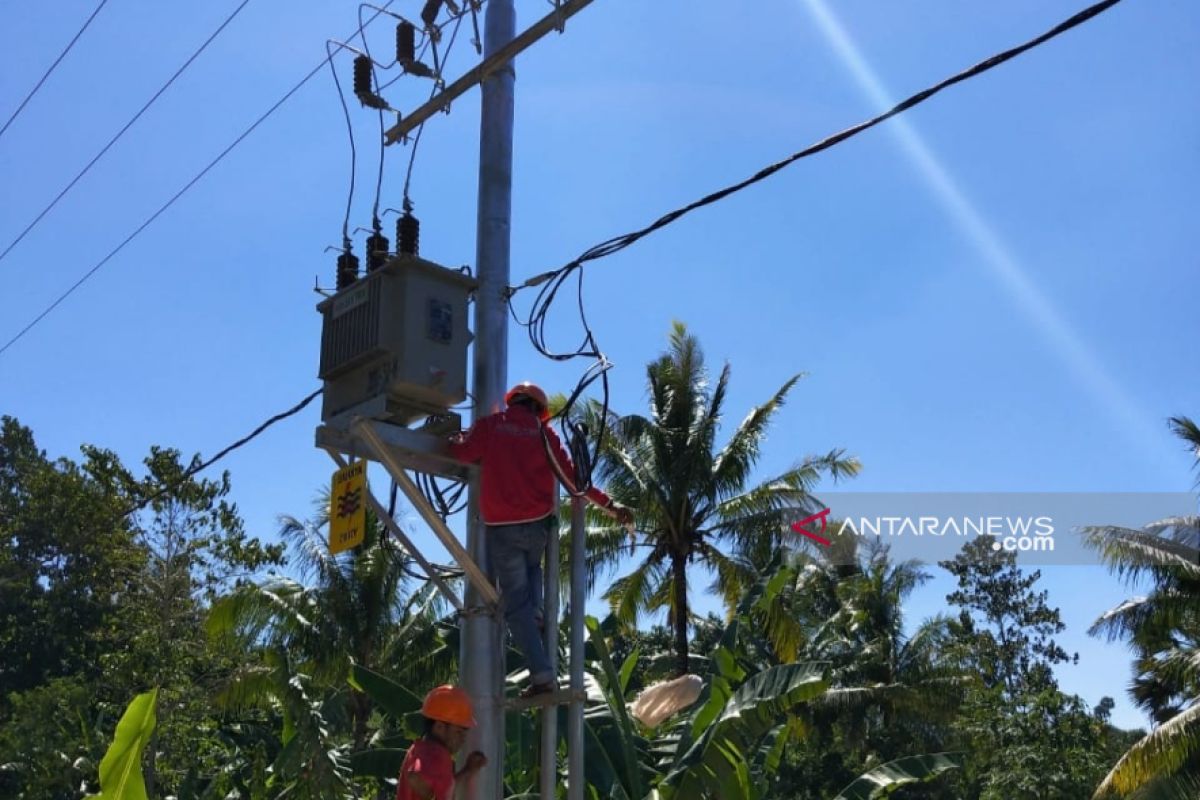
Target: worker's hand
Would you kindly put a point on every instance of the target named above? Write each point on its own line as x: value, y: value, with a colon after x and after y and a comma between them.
x: 475, y: 762
x: 621, y: 514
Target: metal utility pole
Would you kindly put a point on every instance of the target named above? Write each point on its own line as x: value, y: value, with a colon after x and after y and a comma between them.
x: 575, y: 774
x: 482, y: 655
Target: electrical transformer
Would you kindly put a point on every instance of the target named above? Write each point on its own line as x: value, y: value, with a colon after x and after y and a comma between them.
x: 394, y: 344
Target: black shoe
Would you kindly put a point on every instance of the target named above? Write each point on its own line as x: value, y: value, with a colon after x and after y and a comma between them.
x: 535, y: 689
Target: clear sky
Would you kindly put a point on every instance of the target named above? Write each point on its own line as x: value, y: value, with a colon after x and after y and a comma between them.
x: 995, y: 292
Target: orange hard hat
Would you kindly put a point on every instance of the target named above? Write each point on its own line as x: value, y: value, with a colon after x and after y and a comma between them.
x: 449, y: 704
x: 533, y: 392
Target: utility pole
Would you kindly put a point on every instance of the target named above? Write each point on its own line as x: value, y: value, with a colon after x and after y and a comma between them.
x: 481, y: 656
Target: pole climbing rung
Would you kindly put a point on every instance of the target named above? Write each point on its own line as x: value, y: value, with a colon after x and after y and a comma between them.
x: 560, y: 697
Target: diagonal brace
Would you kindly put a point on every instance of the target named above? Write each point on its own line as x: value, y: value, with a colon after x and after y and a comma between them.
x: 405, y: 542
x: 474, y: 574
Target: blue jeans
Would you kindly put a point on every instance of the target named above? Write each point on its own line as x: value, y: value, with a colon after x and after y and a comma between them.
x: 515, y: 553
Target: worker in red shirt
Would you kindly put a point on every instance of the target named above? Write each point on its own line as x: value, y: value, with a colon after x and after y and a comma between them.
x: 428, y: 770
x: 519, y: 497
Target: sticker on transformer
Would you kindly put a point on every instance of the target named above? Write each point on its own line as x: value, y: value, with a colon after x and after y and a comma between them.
x: 440, y: 321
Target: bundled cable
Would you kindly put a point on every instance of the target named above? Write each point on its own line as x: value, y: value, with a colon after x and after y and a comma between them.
x: 447, y: 501
x: 550, y: 282
x: 574, y: 433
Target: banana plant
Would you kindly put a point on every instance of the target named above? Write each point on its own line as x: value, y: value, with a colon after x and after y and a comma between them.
x: 121, y: 768
x: 887, y: 778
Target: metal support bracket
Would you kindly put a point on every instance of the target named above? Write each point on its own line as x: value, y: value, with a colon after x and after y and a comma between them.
x: 421, y: 451
x: 366, y: 431
x: 405, y: 542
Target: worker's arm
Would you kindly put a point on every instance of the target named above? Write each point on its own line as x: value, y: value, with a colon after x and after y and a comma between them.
x: 468, y: 447
x: 593, y: 494
x: 475, y: 762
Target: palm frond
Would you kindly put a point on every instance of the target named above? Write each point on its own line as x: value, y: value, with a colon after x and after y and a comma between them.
x: 629, y: 595
x: 732, y: 465
x: 1133, y: 553
x: 1189, y: 431
x: 1161, y: 752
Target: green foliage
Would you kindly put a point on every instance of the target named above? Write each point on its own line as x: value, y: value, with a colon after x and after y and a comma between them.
x: 886, y: 779
x: 97, y: 603
x: 306, y: 686
x: 1024, y: 736
x: 694, y: 502
x: 1163, y: 629
x: 717, y: 762
x: 121, y: 768
x: 53, y: 740
x: 65, y: 549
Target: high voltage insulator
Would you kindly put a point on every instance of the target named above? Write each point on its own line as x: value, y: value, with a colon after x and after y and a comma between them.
x: 377, y: 251
x: 362, y: 84
x: 406, y: 43
x: 429, y: 13
x: 408, y: 234
x: 418, y: 68
x: 347, y: 269
x: 362, y: 76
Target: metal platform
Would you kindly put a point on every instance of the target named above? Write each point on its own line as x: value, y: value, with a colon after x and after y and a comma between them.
x: 400, y: 449
x: 414, y: 449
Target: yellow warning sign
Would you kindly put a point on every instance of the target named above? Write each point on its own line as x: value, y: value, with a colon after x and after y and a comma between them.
x: 348, y: 507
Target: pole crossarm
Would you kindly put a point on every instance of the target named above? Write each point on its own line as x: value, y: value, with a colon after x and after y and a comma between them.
x: 405, y: 542
x: 552, y: 21
x: 367, y: 431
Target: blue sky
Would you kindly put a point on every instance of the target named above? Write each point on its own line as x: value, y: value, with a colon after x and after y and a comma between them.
x: 993, y: 293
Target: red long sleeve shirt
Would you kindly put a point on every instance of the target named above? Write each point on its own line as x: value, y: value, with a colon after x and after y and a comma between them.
x: 518, y: 482
x: 432, y: 761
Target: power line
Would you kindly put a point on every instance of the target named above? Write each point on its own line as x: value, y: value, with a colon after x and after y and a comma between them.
x: 121, y: 132
x: 552, y: 281
x: 350, y: 132
x: 61, y: 56
x: 188, y: 473
x: 536, y: 321
x: 45, y: 312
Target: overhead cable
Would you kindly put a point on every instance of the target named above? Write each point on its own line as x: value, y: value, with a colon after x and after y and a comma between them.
x: 53, y: 66
x: 71, y: 289
x: 203, y: 465
x: 552, y: 281
x: 121, y: 132
x: 619, y: 243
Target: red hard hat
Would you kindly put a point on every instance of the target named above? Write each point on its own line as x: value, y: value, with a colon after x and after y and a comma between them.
x: 449, y: 704
x: 533, y: 392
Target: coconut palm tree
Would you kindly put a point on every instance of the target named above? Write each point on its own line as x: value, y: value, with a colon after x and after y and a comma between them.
x: 361, y: 607
x: 694, y: 502
x: 891, y: 691
x: 1163, y: 628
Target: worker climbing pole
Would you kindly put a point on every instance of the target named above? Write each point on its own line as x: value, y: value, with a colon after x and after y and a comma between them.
x: 389, y: 361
